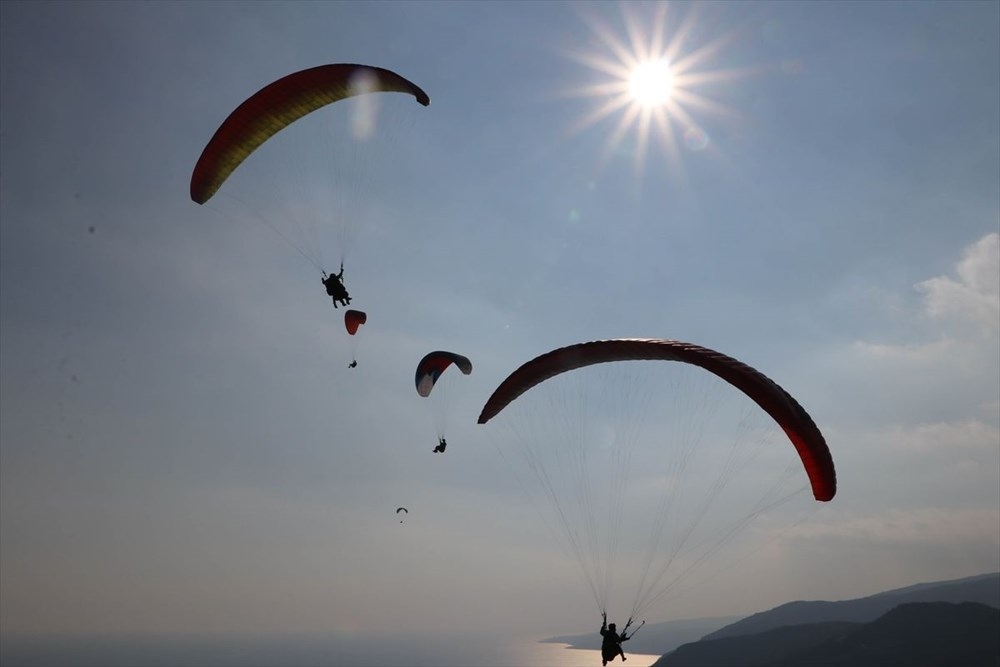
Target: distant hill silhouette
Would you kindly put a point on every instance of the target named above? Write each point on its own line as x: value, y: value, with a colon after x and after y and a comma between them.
x: 920, y: 634
x: 837, y: 616
x: 765, y: 648
x: 984, y: 588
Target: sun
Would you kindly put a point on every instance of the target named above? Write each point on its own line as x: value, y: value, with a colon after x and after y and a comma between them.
x: 651, y: 83
x: 655, y: 74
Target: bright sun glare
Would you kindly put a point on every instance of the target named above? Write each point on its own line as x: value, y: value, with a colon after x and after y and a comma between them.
x: 651, y: 83
x: 653, y: 73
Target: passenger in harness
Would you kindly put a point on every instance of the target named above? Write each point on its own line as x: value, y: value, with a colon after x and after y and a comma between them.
x: 611, y: 644
x: 335, y: 287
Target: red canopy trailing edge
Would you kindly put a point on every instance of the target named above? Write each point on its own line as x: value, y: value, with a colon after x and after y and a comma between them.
x: 433, y: 364
x: 281, y: 103
x: 354, y: 319
x: 775, y: 401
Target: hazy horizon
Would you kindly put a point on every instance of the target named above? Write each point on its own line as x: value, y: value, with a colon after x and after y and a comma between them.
x: 301, y: 652
x: 308, y: 651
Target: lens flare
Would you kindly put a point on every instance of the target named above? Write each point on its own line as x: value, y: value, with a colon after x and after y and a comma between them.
x: 653, y: 77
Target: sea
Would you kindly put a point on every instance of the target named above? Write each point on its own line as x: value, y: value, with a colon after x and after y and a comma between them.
x: 428, y: 652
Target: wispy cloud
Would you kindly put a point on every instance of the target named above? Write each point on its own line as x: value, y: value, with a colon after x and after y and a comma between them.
x: 963, y: 313
x: 969, y: 435
x: 974, y: 296
x: 909, y: 352
x: 910, y: 526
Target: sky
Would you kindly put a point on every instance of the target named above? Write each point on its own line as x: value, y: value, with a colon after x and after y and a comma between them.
x: 183, y: 450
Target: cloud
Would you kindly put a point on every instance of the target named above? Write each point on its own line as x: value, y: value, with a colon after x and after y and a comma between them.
x: 963, y: 310
x: 918, y: 353
x: 910, y: 526
x: 954, y: 360
x: 898, y: 546
x: 974, y: 297
x: 953, y: 463
x: 969, y: 436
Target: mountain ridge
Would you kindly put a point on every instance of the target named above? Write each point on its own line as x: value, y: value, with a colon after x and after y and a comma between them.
x: 982, y: 588
x: 662, y: 638
x: 916, y: 634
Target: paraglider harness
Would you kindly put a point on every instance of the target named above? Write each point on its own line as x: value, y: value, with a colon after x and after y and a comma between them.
x: 610, y: 652
x: 335, y: 287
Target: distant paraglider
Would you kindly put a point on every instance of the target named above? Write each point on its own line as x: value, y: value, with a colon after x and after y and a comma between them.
x: 401, y: 509
x: 353, y: 319
x: 274, y: 108
x: 428, y: 373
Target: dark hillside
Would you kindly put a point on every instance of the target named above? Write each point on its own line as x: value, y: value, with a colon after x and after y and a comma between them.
x: 924, y: 634
x: 984, y: 589
x: 765, y: 648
